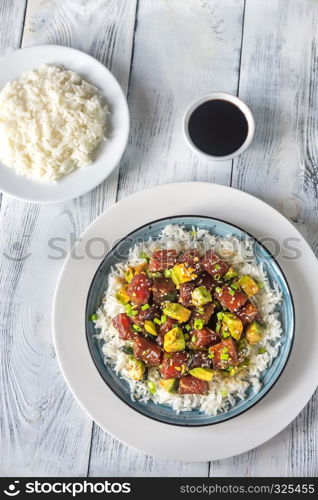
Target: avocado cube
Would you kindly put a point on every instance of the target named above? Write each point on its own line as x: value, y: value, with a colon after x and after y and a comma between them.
x: 201, y: 296
x: 181, y: 274
x: 129, y: 274
x: 176, y: 311
x: 202, y: 373
x: 174, y: 340
x: 233, y: 324
x: 169, y: 384
x: 248, y: 285
x: 254, y: 332
x: 122, y: 295
x: 230, y: 274
x: 136, y: 368
x: 150, y: 327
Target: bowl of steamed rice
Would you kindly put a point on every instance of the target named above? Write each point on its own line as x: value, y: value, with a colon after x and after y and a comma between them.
x: 190, y: 320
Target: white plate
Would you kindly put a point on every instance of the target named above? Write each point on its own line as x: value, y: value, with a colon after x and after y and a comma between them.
x: 283, y: 403
x: 109, y: 153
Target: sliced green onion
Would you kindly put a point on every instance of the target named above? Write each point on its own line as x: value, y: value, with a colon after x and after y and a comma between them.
x: 217, y: 277
x: 188, y: 327
x: 225, y: 335
x: 157, y: 321
x: 163, y: 319
x: 224, y: 394
x: 198, y: 324
x: 193, y: 338
x: 217, y: 266
x: 232, y: 292
x: 93, y: 317
x: 186, y: 336
x: 234, y: 286
x: 143, y: 255
x: 218, y: 289
x: 128, y: 309
x: 167, y: 273
x: 151, y: 386
x: 220, y: 315
x: 145, y: 307
x: 224, y: 355
x: 260, y: 285
x: 218, y: 327
x: 136, y: 328
x: 193, y: 233
x: 262, y: 350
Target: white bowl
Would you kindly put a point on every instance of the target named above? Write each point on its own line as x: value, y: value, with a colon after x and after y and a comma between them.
x: 108, y: 152
x: 224, y: 97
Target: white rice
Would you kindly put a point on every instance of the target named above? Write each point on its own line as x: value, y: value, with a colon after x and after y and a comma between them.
x: 224, y: 392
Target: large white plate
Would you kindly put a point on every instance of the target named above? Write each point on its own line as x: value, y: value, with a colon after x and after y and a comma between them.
x: 109, y: 152
x: 257, y: 425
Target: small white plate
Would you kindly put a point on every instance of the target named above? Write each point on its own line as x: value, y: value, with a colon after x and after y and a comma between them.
x: 109, y: 152
x: 248, y: 430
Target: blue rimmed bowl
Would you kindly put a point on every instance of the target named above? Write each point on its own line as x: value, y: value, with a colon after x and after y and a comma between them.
x: 164, y: 413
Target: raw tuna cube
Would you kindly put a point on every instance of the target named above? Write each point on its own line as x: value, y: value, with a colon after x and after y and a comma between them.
x: 248, y: 313
x: 174, y: 365
x: 191, y: 258
x: 162, y: 259
x: 205, y: 315
x: 213, y: 264
x: 147, y: 351
x: 201, y: 339
x: 186, y: 290
x: 164, y: 289
x: 123, y: 324
x: 224, y: 354
x: 192, y: 385
x: 205, y: 279
x: 230, y: 299
x: 139, y: 289
x: 201, y: 359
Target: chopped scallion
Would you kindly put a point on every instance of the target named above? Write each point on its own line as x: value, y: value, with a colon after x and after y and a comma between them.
x: 143, y: 255
x: 93, y: 317
x: 157, y: 321
x: 262, y: 350
x: 145, y: 307
x: 198, y: 324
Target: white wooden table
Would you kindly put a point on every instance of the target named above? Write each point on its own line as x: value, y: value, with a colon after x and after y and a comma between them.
x: 164, y: 53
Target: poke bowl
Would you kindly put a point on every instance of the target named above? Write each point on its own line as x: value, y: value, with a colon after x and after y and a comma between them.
x: 190, y: 320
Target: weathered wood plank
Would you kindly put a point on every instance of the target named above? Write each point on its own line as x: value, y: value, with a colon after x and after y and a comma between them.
x: 11, y: 27
x: 279, y: 81
x: 11, y: 24
x: 182, y: 50
x: 43, y: 431
x: 111, y: 458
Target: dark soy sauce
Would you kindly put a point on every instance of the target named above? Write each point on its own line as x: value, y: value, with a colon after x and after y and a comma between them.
x: 218, y: 127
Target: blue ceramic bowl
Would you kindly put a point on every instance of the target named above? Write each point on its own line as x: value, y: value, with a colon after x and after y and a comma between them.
x: 164, y: 413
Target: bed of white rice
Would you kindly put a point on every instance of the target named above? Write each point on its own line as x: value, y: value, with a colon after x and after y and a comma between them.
x: 224, y: 392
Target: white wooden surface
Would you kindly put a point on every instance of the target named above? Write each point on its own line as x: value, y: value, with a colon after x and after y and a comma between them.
x: 164, y: 53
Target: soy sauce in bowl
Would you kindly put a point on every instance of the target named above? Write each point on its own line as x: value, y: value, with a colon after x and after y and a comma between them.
x: 219, y: 126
